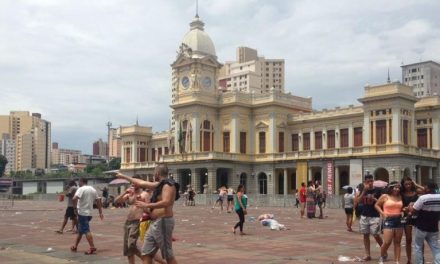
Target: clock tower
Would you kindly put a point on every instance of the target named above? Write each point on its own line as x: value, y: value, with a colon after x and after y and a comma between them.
x: 194, y: 79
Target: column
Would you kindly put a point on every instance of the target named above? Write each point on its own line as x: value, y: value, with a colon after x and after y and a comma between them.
x: 235, y: 134
x: 430, y: 173
x: 134, y: 151
x: 366, y: 129
x: 300, y: 141
x: 309, y: 178
x: 212, y: 181
x: 337, y: 183
x: 413, y: 130
x: 337, y: 140
x: 429, y: 138
x: 350, y: 135
x: 273, y: 134
x: 396, y: 125
x: 374, y: 132
x: 387, y: 125
x: 435, y: 134
x: 285, y: 182
x: 324, y: 139
x: 419, y: 175
x: 195, y: 125
x: 312, y: 139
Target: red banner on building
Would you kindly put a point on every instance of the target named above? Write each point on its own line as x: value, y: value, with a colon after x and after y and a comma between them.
x: 330, y: 177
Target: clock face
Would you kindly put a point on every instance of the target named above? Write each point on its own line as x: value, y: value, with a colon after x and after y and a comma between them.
x: 207, y: 82
x: 185, y: 82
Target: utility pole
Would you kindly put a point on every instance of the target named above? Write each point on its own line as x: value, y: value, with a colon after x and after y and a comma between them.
x: 109, y: 127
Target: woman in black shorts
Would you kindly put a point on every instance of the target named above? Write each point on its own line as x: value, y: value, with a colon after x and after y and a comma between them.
x: 348, y: 206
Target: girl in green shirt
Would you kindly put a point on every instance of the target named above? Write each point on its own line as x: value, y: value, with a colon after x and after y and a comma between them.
x: 240, y: 208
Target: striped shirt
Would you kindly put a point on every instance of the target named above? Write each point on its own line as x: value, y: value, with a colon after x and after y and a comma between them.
x: 428, y: 207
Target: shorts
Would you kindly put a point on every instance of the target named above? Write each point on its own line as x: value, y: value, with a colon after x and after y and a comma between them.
x: 349, y: 211
x: 70, y: 213
x: 369, y: 225
x: 392, y: 222
x: 159, y: 236
x: 220, y: 199
x: 131, y: 235
x: 230, y: 198
x: 83, y: 224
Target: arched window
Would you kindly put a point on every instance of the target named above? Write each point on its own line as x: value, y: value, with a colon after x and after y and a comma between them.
x: 206, y: 136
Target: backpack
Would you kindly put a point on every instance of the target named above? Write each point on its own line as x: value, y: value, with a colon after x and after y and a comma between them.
x: 158, y: 190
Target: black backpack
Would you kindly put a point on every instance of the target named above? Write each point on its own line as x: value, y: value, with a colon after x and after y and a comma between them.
x: 158, y: 190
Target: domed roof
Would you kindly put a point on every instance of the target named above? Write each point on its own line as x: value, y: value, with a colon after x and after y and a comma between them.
x: 198, y: 40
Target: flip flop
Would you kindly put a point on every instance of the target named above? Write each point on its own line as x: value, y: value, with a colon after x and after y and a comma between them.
x: 91, y: 251
x: 73, y: 249
x: 59, y: 231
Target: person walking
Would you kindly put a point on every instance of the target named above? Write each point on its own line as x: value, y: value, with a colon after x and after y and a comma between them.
x: 221, y: 197
x: 230, y: 198
x: 240, y: 208
x: 160, y: 231
x: 70, y: 210
x: 302, y: 198
x: 319, y: 198
x: 390, y: 207
x: 348, y: 207
x: 84, y: 198
x: 427, y: 208
x: 410, y: 193
x: 369, y: 223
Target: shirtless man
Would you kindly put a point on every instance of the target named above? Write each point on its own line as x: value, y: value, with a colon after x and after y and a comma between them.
x: 159, y: 235
x: 131, y: 226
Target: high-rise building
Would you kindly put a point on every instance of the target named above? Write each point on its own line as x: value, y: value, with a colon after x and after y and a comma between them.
x: 423, y: 77
x: 7, y: 149
x: 100, y: 148
x: 114, y: 148
x: 32, y: 136
x: 251, y: 73
x: 64, y: 156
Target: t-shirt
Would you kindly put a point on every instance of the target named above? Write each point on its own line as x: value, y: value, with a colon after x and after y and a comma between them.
x: 302, y: 195
x: 87, y: 195
x: 348, y: 200
x: 369, y: 200
x: 70, y: 194
x: 428, y: 207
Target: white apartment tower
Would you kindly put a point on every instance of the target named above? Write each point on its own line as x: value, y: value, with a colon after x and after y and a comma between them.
x: 251, y: 73
x: 423, y: 77
x: 7, y: 149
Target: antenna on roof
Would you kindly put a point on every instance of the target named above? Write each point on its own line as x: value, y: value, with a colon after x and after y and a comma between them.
x: 388, y: 80
x: 137, y: 120
x: 197, y: 8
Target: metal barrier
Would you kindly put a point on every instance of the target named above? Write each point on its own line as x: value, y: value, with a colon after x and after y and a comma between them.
x: 6, y: 201
x: 263, y: 200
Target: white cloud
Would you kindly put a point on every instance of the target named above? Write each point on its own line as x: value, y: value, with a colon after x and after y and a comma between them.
x: 83, y: 63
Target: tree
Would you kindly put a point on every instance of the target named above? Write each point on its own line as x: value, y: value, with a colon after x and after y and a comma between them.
x: 3, y: 162
x: 114, y: 164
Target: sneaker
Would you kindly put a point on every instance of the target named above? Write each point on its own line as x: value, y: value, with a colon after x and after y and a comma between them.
x: 381, y: 260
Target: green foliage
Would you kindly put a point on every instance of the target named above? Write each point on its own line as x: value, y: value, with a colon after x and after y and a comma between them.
x: 114, y: 164
x: 3, y: 162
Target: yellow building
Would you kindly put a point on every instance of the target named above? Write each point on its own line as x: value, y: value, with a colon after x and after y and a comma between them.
x: 32, y: 136
x: 273, y: 141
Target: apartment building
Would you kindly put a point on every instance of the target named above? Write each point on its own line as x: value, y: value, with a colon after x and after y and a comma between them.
x: 7, y: 149
x: 100, y: 148
x: 423, y: 77
x: 64, y: 156
x: 251, y: 73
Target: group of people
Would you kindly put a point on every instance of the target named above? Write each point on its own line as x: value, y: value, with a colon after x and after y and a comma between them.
x: 150, y: 216
x: 225, y: 194
x: 310, y: 197
x: 394, y: 210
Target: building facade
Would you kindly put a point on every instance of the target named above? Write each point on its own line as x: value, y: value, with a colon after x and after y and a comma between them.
x: 64, y: 156
x: 423, y: 77
x: 273, y: 141
x: 252, y: 74
x: 114, y: 146
x: 32, y: 137
x: 100, y: 148
x: 7, y: 149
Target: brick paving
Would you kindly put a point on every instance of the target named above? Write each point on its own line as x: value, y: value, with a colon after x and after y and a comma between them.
x: 203, y: 236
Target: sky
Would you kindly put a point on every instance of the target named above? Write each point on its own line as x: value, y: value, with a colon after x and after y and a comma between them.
x: 83, y: 63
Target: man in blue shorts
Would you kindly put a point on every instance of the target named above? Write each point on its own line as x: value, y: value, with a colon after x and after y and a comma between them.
x: 84, y: 198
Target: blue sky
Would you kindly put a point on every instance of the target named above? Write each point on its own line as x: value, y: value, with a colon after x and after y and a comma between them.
x: 83, y: 63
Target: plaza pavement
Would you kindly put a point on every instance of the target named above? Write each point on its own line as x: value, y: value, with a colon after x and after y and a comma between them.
x: 203, y: 236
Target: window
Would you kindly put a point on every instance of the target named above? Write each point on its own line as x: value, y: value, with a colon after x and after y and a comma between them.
x: 166, y: 151
x: 206, y: 136
x: 405, y: 126
x: 295, y: 142
x: 142, y: 157
x: 262, y: 142
x: 381, y: 132
x: 127, y: 155
x: 306, y: 141
x: 344, y: 138
x: 226, y: 142
x: 318, y: 140
x: 331, y: 139
x: 159, y: 153
x: 422, y: 138
x: 242, y: 142
x: 153, y: 154
x: 281, y: 142
x: 357, y: 137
